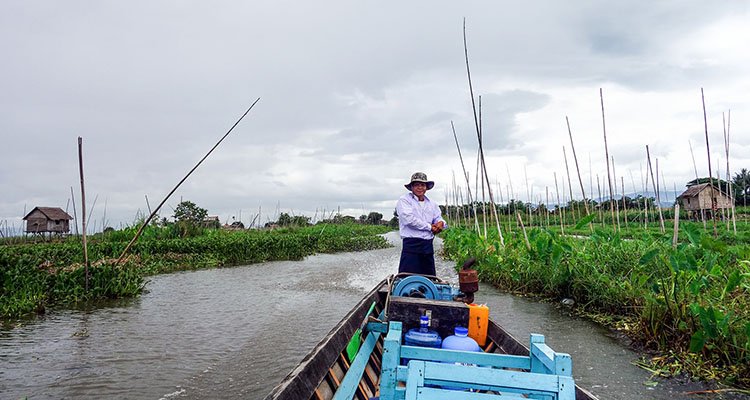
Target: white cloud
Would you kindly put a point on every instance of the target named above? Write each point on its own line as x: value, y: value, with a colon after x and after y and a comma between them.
x: 354, y: 98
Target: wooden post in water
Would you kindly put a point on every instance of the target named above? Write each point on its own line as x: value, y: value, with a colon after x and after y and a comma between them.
x: 83, y: 210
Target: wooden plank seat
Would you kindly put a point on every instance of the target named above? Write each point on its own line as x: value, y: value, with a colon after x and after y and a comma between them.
x: 544, y: 374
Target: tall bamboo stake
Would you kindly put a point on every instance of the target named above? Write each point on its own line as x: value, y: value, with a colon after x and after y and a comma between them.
x: 676, y: 224
x: 75, y: 217
x: 710, y: 174
x: 658, y: 186
x: 523, y: 229
x: 695, y: 167
x: 559, y: 207
x: 83, y: 210
x: 156, y: 210
x: 599, y: 191
x: 624, y: 204
x: 466, y: 176
x: 730, y: 192
x: 635, y: 190
x: 528, y: 195
x: 656, y: 191
x: 645, y: 201
x: 479, y: 136
x: 606, y: 155
x: 546, y: 203
x: 570, y: 185
x: 578, y: 171
x: 617, y: 205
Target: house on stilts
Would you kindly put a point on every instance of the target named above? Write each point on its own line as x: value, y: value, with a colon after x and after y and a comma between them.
x: 47, y: 220
x: 704, y: 199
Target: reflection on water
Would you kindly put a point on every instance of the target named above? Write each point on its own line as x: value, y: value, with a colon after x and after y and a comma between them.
x: 236, y: 332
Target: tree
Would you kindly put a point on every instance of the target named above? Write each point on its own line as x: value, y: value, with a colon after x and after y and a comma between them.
x: 188, y: 212
x: 374, y: 218
x: 742, y: 184
x: 188, y: 217
x: 287, y: 220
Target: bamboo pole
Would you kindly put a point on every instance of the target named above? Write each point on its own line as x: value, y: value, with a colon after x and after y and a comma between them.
x: 528, y: 196
x: 656, y: 191
x: 466, y: 176
x: 75, y: 217
x: 676, y: 224
x: 578, y: 172
x: 484, y: 173
x: 570, y: 185
x: 730, y: 192
x: 561, y: 214
x: 624, y: 204
x: 606, y: 155
x: 156, y: 210
x: 479, y: 135
x: 695, y: 167
x: 83, y: 210
x: 710, y: 174
x: 658, y: 187
x: 546, y: 203
x: 644, y: 186
x: 599, y: 191
x: 617, y: 205
x: 523, y: 229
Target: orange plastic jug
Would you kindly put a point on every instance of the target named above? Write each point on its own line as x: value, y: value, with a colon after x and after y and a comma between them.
x: 478, y: 321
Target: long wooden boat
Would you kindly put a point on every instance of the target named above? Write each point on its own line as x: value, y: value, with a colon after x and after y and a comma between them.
x: 506, y: 370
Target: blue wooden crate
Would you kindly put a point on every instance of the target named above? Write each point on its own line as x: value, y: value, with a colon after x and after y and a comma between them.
x: 544, y: 374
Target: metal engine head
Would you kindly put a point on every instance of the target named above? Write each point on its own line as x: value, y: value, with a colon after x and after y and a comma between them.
x: 421, y: 287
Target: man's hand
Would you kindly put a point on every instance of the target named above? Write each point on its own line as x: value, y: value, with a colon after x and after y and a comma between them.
x: 437, y: 227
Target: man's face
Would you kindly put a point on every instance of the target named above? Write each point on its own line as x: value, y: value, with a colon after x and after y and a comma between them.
x: 419, y: 188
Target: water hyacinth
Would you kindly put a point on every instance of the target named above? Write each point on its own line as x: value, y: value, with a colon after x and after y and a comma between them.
x: 690, y: 299
x: 35, y: 276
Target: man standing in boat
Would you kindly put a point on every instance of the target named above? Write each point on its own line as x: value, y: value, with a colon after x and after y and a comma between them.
x: 419, y: 220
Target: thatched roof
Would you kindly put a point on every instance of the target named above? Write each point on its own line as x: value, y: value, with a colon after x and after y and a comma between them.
x: 694, y: 190
x: 52, y: 213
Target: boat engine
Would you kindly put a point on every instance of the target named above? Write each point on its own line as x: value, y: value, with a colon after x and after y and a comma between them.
x: 432, y: 288
x: 422, y: 287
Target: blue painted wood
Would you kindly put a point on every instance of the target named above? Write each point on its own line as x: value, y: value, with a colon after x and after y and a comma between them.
x: 549, y: 376
x: 349, y: 384
x: 507, y: 383
x: 391, y: 361
x: 467, y: 357
x: 546, y: 360
x: 426, y: 393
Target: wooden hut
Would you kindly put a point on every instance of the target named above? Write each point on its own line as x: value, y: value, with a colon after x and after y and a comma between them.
x: 52, y: 220
x: 703, y: 197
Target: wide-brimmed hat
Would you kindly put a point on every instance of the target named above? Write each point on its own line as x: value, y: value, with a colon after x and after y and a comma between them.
x: 419, y: 177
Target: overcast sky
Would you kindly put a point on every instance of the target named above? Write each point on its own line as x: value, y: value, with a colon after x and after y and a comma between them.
x: 355, y: 96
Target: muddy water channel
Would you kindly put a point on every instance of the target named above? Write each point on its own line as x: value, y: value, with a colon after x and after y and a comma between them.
x: 236, y: 332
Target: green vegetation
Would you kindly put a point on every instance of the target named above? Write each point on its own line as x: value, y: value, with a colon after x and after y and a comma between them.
x: 35, y: 276
x: 690, y: 303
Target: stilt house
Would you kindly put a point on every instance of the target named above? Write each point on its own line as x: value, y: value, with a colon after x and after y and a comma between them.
x: 704, y: 197
x: 52, y: 220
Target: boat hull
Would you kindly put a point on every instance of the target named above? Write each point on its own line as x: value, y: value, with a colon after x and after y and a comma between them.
x: 321, y: 373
